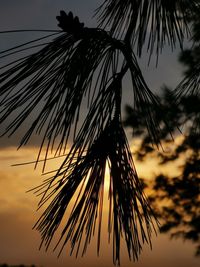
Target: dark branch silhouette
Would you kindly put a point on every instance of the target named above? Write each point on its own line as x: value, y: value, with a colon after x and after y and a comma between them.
x: 46, y: 89
x: 175, y: 199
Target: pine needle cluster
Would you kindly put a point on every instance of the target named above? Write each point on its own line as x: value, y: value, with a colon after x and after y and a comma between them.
x: 47, y: 88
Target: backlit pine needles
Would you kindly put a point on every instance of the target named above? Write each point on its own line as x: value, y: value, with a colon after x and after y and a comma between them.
x: 44, y: 92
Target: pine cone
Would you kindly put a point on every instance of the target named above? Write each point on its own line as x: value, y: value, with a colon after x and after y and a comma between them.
x: 69, y: 23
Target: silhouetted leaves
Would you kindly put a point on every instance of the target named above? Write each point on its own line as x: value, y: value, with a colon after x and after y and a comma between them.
x: 186, y: 114
x: 47, y: 89
x: 128, y: 211
x: 191, y: 59
x: 176, y: 200
x: 165, y: 19
x: 53, y: 83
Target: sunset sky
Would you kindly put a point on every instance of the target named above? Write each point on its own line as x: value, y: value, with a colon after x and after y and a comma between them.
x: 18, y: 242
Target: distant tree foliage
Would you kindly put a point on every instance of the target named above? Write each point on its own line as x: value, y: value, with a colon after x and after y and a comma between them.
x: 176, y: 200
x: 190, y: 57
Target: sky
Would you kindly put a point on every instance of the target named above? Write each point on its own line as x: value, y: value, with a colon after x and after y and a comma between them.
x: 18, y: 242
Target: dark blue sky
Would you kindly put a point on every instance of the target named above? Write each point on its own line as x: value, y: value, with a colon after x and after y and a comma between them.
x: 40, y: 14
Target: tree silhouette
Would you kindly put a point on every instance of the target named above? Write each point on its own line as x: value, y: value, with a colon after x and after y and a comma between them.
x: 190, y: 58
x: 50, y: 86
x: 175, y: 199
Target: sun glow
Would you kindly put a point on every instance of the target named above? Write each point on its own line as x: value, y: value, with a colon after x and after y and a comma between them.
x: 24, y: 171
x: 16, y: 180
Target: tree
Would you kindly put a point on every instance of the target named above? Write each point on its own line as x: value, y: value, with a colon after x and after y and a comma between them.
x: 190, y: 58
x: 51, y: 85
x: 176, y: 198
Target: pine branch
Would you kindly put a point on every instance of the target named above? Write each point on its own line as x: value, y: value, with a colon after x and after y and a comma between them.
x: 164, y: 20
x: 50, y: 86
